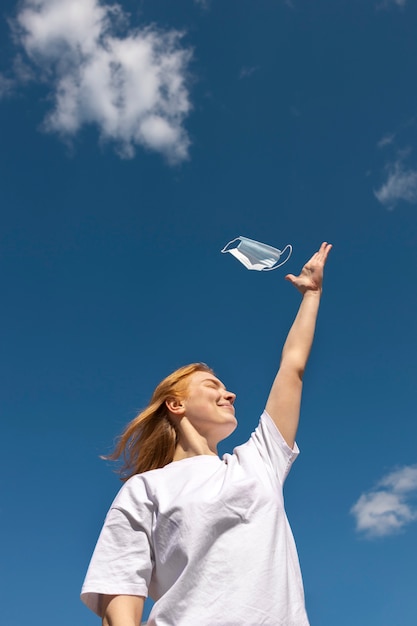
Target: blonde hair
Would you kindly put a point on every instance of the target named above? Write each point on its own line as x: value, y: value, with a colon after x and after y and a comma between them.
x: 149, y: 440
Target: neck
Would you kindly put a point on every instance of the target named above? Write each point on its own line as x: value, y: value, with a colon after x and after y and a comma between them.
x: 191, y: 443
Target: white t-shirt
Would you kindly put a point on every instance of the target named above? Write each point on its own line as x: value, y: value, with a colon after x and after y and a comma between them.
x: 207, y: 538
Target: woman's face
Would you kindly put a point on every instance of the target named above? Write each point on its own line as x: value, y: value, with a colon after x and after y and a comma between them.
x: 209, y: 406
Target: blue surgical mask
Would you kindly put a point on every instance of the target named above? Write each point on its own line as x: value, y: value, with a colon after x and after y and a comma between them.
x: 256, y: 255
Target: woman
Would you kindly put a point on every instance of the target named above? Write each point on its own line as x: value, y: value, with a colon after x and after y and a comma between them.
x: 206, y: 537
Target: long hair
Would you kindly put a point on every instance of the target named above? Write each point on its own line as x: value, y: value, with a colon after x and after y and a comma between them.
x: 150, y: 439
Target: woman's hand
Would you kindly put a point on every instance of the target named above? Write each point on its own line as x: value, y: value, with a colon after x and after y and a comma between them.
x: 311, y: 276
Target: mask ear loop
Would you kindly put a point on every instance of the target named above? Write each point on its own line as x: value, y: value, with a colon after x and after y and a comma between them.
x: 268, y: 269
x: 229, y: 245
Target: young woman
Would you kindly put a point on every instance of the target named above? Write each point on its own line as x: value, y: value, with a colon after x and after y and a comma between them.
x: 208, y: 538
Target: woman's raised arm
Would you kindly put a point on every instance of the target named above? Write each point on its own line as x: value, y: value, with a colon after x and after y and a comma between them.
x: 284, y: 400
x: 122, y: 610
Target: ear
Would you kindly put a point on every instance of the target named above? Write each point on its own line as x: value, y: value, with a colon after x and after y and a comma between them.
x: 175, y: 406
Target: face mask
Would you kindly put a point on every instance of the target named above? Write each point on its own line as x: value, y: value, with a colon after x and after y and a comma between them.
x: 256, y: 255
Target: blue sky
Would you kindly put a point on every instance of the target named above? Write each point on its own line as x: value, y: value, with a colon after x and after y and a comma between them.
x: 135, y: 143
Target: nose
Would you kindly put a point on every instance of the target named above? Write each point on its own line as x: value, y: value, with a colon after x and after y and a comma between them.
x: 230, y: 396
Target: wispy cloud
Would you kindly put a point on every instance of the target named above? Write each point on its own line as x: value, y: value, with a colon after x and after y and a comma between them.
x: 129, y: 82
x: 385, y: 4
x: 386, y: 140
x: 20, y: 74
x: 247, y: 71
x: 203, y: 3
x: 389, y: 507
x: 400, y: 184
x: 6, y: 86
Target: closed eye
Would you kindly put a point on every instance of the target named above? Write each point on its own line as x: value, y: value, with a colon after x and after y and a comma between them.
x: 213, y: 383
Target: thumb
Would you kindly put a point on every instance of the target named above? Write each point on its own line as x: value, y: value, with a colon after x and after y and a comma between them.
x: 290, y: 277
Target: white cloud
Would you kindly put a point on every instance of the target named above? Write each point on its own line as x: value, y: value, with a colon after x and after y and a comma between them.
x: 403, y: 480
x: 388, y: 507
x: 133, y: 87
x: 401, y: 184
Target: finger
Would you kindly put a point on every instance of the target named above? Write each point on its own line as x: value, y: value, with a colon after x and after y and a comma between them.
x: 324, y: 251
x: 290, y: 277
x: 314, y: 258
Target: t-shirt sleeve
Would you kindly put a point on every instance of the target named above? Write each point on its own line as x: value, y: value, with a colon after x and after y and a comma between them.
x: 272, y: 447
x: 122, y: 561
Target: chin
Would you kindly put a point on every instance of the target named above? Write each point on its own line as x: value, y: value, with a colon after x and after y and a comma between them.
x: 228, y: 429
